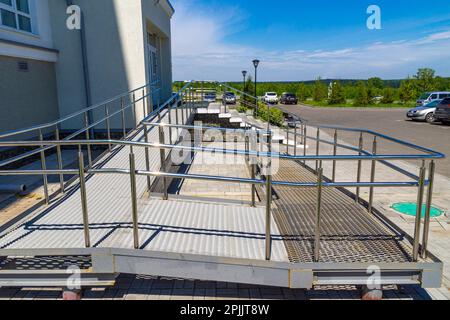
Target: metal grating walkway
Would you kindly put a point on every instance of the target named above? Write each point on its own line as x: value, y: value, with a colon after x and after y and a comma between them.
x: 348, y: 232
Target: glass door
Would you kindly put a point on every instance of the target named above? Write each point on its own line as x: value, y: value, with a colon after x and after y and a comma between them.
x: 154, y: 67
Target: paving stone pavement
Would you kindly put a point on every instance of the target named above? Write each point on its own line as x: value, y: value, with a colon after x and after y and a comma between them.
x: 130, y: 287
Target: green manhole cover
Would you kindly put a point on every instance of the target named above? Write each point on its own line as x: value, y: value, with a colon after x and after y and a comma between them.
x: 410, y: 209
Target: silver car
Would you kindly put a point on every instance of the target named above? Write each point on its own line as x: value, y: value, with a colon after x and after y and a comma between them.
x: 425, y: 113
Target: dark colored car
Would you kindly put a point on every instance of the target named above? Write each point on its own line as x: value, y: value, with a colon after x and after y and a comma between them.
x: 288, y: 98
x: 292, y: 121
x: 442, y: 113
x: 229, y: 98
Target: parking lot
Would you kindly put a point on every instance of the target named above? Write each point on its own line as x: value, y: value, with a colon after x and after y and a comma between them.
x: 392, y: 122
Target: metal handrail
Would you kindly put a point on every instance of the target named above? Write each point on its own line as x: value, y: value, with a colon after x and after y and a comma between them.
x: 71, y: 116
x: 438, y: 155
x: 259, y: 154
x: 71, y: 136
x: 185, y: 94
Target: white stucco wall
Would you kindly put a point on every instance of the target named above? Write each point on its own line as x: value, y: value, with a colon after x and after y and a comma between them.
x: 116, y: 50
x: 116, y: 36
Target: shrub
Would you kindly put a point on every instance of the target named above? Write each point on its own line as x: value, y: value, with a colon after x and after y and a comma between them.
x: 388, y: 95
x: 242, y: 109
x: 275, y: 115
x: 337, y: 94
x: 362, y: 96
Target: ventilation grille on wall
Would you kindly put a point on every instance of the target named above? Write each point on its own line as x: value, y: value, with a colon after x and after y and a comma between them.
x: 23, y: 66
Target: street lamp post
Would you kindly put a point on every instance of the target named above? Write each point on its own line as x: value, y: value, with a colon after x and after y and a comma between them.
x: 244, y: 73
x: 256, y: 64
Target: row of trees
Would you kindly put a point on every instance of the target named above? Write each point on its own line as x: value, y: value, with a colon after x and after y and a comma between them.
x: 357, y: 92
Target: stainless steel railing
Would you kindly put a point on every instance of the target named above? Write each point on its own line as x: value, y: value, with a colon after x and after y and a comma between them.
x: 186, y: 109
x: 145, y: 92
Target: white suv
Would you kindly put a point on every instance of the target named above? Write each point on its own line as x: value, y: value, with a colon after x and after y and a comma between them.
x: 428, y: 97
x: 271, y: 97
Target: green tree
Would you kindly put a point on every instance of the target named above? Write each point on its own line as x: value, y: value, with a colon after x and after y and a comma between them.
x: 376, y: 82
x: 408, y: 90
x: 442, y: 84
x: 249, y: 89
x: 319, y: 90
x: 362, y: 96
x: 302, y: 92
x: 388, y: 95
x: 337, y: 94
x: 425, y: 79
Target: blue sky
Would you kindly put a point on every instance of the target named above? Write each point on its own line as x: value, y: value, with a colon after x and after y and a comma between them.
x: 304, y: 39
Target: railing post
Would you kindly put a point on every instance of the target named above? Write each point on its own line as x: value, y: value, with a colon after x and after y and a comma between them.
x: 317, y: 227
x: 334, y: 154
x: 144, y: 107
x: 186, y: 115
x: 133, y: 110
x: 44, y: 168
x: 426, y: 230
x: 169, y: 109
x: 305, y: 137
x: 247, y: 149
x: 134, y: 199
x: 358, y: 178
x: 295, y: 140
x: 150, y: 100
x: 108, y: 126
x: 183, y: 105
x: 177, y: 117
x: 59, y: 159
x: 88, y: 137
x: 372, y: 174
x: 287, y: 138
x: 317, y: 148
x: 269, y: 199
x: 83, y: 193
x: 122, y: 106
x: 253, y: 164
x: 147, y: 160
x: 419, y: 213
x: 162, y: 153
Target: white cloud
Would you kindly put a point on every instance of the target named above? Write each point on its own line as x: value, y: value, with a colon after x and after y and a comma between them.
x: 200, y: 52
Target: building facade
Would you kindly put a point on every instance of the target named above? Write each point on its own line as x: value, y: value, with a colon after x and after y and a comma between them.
x: 48, y: 70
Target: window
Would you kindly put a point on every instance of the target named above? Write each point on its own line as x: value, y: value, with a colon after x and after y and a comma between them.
x: 434, y: 96
x: 16, y: 14
x: 443, y: 95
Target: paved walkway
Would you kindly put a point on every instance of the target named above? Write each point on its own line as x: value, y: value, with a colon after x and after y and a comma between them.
x: 151, y: 288
x: 218, y: 165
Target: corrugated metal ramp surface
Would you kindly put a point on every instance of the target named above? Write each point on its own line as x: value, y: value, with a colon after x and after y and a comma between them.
x: 172, y: 226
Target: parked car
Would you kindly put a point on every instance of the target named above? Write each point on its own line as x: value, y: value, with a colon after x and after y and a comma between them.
x: 292, y: 121
x: 425, y: 113
x: 442, y: 113
x: 288, y: 98
x: 210, y: 97
x: 271, y: 97
x: 229, y: 98
x: 432, y: 96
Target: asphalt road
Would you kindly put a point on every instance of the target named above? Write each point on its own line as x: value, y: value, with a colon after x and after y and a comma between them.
x: 392, y: 122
